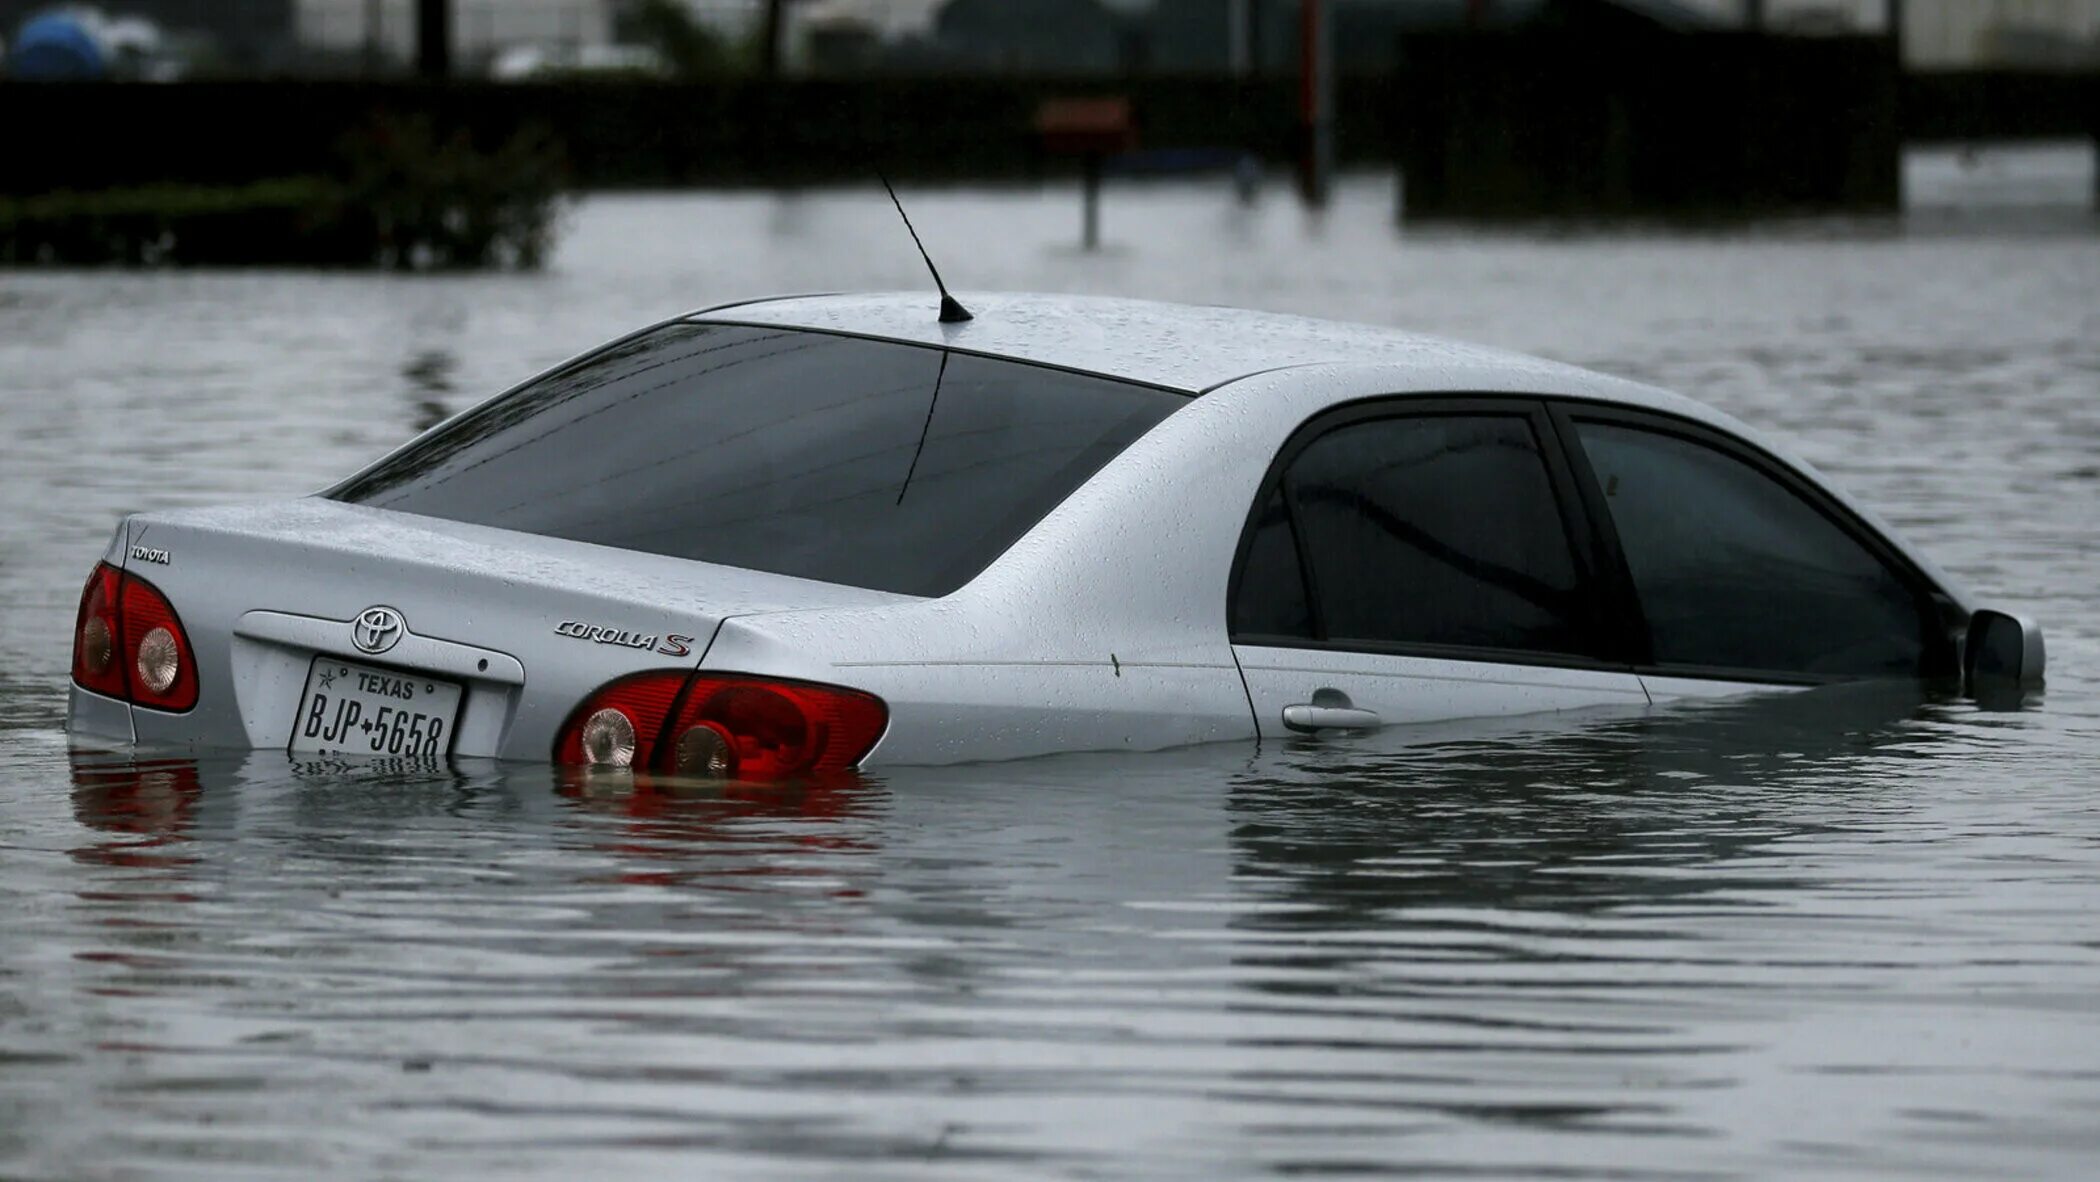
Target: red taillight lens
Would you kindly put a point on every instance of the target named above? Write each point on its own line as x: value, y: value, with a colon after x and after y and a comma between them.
x: 724, y: 726
x: 162, y: 669
x: 129, y: 644
x: 749, y: 728
x: 98, y: 663
x: 618, y: 725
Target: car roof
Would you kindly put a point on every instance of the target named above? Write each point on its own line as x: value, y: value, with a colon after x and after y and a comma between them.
x: 1195, y: 349
x: 1177, y: 346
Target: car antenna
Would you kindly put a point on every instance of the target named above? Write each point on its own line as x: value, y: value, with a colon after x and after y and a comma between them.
x: 952, y: 311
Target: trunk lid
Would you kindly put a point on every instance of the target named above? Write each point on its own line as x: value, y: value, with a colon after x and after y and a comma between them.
x: 528, y: 626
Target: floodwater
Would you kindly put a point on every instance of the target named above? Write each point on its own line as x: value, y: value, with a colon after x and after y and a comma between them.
x: 1843, y: 934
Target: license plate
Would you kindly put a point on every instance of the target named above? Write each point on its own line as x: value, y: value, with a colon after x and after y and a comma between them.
x: 353, y: 709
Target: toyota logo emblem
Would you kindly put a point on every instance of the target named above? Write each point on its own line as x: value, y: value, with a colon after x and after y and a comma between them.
x: 376, y: 629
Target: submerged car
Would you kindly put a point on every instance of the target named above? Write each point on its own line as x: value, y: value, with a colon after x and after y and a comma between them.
x: 796, y: 536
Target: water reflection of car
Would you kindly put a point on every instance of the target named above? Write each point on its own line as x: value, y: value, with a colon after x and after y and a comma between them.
x: 798, y: 535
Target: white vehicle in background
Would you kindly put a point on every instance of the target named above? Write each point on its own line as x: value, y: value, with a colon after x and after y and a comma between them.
x: 528, y: 63
x: 791, y: 537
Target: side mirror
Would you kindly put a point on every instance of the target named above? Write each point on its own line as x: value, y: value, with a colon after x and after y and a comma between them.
x: 2003, y: 654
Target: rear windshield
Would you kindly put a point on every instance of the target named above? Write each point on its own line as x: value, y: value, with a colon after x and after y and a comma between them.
x: 898, y: 467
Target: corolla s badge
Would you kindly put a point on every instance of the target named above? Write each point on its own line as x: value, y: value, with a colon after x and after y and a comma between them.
x: 377, y: 629
x: 671, y: 645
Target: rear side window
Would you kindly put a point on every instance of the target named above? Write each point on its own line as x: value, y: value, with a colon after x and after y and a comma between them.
x: 1421, y: 530
x: 869, y: 463
x: 1736, y: 572
x: 1271, y: 600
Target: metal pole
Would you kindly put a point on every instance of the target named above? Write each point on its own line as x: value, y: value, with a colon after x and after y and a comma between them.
x: 1238, y: 49
x: 1754, y: 15
x: 375, y: 36
x: 769, y: 39
x: 1315, y: 100
x: 434, y: 39
x: 1091, y: 230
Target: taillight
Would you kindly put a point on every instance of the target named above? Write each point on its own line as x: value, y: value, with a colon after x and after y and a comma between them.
x: 97, y: 665
x: 617, y: 726
x: 128, y: 643
x: 722, y: 726
x: 162, y: 668
x: 748, y: 728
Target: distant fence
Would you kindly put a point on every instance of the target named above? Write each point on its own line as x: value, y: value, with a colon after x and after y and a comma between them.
x: 1479, y: 127
x: 621, y: 133
x: 2001, y: 104
x: 1721, y: 124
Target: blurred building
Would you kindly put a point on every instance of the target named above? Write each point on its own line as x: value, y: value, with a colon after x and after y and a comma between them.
x: 2011, y: 34
x: 1049, y: 36
x: 1092, y: 36
x: 1081, y: 36
x: 359, y: 30
x: 1185, y: 35
x: 1086, y: 36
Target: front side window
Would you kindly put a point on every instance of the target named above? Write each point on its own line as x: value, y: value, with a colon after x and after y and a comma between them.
x: 1439, y: 530
x: 1736, y: 572
x: 870, y: 463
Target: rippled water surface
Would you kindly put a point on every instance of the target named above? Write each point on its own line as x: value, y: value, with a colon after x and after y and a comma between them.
x: 1848, y: 933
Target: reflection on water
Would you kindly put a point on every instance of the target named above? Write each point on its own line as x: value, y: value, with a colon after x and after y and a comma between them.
x: 1843, y: 933
x: 429, y: 375
x: 148, y: 805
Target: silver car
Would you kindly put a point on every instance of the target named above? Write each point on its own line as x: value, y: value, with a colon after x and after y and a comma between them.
x: 791, y: 537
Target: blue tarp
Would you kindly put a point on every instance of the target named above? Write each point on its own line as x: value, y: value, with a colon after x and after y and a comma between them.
x: 57, y: 47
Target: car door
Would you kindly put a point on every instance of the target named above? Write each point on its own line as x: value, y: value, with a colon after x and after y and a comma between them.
x: 1412, y: 560
x: 1743, y: 573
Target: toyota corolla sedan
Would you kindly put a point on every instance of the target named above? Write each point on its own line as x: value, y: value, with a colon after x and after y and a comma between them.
x: 791, y: 537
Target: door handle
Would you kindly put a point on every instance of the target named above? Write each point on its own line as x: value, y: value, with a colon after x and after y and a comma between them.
x: 1310, y: 717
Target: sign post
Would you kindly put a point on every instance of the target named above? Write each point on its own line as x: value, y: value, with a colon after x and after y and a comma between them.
x: 1092, y: 129
x: 1315, y: 101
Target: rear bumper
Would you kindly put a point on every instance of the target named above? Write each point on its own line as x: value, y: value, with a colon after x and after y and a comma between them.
x: 92, y: 717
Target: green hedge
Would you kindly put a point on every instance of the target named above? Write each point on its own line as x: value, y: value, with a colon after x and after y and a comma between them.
x: 406, y: 198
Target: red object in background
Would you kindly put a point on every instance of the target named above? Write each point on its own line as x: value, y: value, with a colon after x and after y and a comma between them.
x: 1086, y: 126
